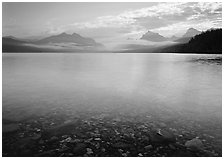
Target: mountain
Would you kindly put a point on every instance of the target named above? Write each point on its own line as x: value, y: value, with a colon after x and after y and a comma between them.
x: 207, y: 42
x: 11, y: 40
x: 12, y: 44
x: 191, y: 32
x: 67, y: 38
x: 155, y: 37
x: 57, y: 43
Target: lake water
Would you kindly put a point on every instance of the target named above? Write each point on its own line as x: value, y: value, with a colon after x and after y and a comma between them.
x: 179, y: 90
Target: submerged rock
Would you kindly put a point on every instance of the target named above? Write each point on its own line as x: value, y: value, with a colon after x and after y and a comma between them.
x: 148, y: 147
x: 89, y: 151
x: 140, y: 155
x: 194, y: 144
x: 162, y: 136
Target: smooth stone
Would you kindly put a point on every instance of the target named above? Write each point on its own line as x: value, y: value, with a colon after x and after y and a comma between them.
x: 140, y: 155
x: 89, y: 151
x: 148, y: 147
x: 194, y: 144
x: 97, y: 139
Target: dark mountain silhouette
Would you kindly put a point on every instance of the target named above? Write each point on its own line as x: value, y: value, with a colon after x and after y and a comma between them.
x: 155, y: 37
x: 209, y: 41
x: 20, y: 39
x: 12, y: 40
x: 10, y: 44
x: 57, y: 43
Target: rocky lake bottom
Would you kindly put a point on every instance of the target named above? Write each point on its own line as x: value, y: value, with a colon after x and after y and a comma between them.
x: 111, y: 134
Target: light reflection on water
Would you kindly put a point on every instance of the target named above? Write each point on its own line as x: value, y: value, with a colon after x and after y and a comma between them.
x: 34, y: 83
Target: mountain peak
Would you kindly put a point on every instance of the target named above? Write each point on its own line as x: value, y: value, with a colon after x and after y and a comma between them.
x: 191, y: 32
x: 151, y: 36
x: 10, y: 36
x: 74, y: 38
x: 192, y: 29
x: 63, y: 34
x: 76, y: 35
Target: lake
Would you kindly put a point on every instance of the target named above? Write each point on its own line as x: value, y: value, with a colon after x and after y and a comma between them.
x: 176, y: 92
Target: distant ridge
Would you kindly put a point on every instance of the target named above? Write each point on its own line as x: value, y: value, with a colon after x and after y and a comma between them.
x: 209, y: 41
x: 57, y: 43
x: 68, y: 38
x: 155, y: 37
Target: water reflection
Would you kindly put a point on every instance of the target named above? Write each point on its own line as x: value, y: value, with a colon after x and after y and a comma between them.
x: 177, y: 90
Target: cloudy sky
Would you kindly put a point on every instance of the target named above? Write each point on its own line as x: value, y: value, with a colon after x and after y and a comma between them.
x: 108, y: 21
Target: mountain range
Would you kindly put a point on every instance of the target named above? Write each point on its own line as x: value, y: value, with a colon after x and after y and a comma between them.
x: 57, y: 43
x: 208, y: 42
x: 74, y: 38
x: 76, y: 43
x: 156, y: 37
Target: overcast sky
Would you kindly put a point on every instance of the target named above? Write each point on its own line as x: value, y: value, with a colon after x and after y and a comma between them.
x: 108, y: 21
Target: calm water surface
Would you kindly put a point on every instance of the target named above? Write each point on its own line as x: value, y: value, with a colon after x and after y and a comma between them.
x: 172, y: 86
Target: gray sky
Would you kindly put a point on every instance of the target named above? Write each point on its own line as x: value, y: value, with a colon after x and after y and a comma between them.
x: 105, y: 21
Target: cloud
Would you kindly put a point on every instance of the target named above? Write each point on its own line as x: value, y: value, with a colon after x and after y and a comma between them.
x: 158, y: 16
x: 165, y: 18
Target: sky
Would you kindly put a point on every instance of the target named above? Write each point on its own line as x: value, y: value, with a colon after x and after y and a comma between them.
x: 108, y: 21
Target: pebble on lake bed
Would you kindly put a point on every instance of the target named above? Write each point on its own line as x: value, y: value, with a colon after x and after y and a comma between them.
x: 194, y: 144
x: 148, y: 147
x: 89, y: 151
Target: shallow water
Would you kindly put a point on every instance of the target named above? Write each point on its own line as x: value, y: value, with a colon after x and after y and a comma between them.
x: 171, y: 87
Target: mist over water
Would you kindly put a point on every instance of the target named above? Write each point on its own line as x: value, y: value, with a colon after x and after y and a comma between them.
x: 170, y: 87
